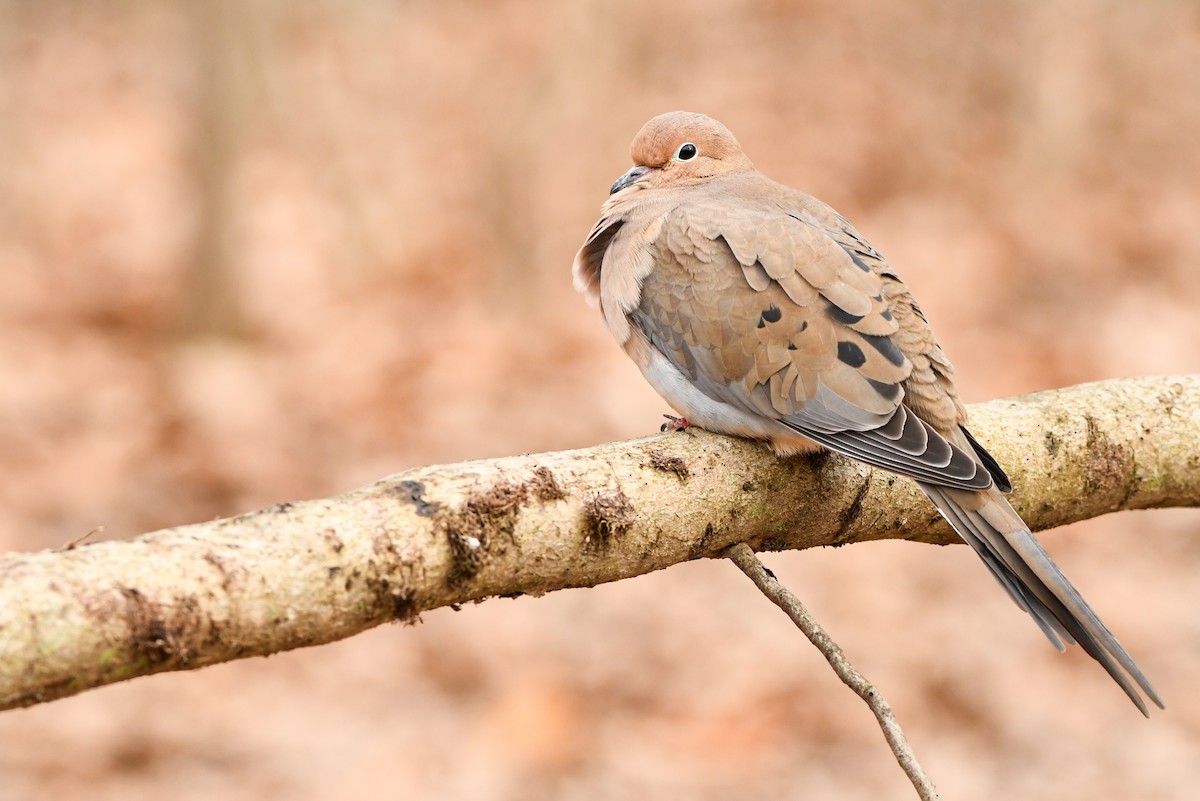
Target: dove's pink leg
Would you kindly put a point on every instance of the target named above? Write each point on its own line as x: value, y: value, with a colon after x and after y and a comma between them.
x: 674, y: 423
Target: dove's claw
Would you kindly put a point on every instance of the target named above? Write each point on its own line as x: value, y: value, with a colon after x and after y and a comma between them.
x: 674, y: 424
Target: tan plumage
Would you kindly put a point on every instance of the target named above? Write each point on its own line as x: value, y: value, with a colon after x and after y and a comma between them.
x: 758, y: 311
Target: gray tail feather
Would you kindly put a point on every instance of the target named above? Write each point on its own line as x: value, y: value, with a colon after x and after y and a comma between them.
x: 1023, y: 568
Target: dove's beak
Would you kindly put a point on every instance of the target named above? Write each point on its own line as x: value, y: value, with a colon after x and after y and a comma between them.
x: 627, y: 179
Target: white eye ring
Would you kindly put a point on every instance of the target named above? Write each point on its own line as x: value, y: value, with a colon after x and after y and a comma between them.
x: 686, y: 152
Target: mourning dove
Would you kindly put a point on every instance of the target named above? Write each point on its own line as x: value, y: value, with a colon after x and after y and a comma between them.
x: 758, y: 311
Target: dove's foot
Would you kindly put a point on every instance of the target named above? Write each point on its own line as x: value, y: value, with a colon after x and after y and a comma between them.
x: 674, y: 424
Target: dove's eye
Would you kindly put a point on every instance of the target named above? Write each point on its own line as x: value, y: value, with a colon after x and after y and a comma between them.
x: 686, y: 152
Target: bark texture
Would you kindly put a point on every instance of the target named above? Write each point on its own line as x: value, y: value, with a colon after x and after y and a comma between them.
x: 306, y: 573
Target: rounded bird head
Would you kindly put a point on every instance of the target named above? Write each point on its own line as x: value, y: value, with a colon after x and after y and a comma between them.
x: 681, y: 146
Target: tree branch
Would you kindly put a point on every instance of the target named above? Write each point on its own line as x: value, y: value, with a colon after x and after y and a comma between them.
x: 308, y: 573
x: 765, y: 580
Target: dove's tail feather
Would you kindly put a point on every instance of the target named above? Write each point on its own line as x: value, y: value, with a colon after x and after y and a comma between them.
x: 996, y: 532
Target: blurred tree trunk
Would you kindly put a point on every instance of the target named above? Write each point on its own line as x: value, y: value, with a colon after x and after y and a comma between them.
x: 221, y: 107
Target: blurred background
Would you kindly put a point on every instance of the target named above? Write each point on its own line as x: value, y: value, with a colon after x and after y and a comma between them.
x: 254, y: 252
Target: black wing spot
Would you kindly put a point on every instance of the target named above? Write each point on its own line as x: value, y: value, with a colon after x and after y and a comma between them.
x: 771, y: 315
x: 886, y: 314
x: 886, y: 348
x: 791, y: 346
x: 803, y: 326
x: 842, y: 316
x: 862, y: 265
x: 851, y: 354
x: 890, y: 392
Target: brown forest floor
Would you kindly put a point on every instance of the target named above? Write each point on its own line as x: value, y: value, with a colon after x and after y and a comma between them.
x: 252, y: 254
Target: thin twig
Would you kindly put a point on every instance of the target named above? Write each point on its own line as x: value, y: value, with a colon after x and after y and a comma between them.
x: 744, y: 557
x: 80, y: 540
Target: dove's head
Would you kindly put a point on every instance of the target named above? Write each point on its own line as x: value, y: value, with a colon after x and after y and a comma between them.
x: 679, y: 147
